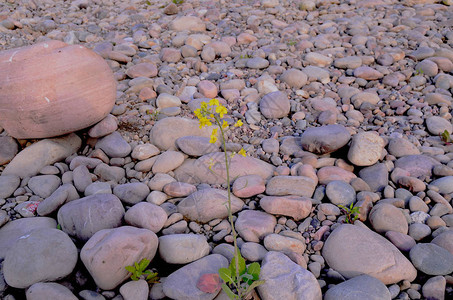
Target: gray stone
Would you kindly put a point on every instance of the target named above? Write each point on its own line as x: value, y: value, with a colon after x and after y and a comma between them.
x: 109, y: 251
x: 32, y: 159
x: 294, y: 78
x: 160, y: 180
x: 131, y: 193
x: 400, y: 147
x: 41, y: 255
x: 144, y: 151
x: 182, y: 248
x: 83, y: 217
x: 274, y: 105
x: 44, y: 185
x: 434, y: 288
x: 257, y: 63
x: 8, y: 184
x: 106, y: 126
x: 419, y: 166
x: 340, y: 193
x: 280, y: 243
x: 437, y: 125
x: 431, y: 259
x: 135, y: 290
x: 82, y: 178
x: 49, y: 290
x: 146, y: 215
x: 253, y: 225
x: 365, y: 149
x: 284, y: 279
x: 109, y: 173
x: 444, y: 184
x: 8, y: 149
x: 358, y: 288
x: 90, y: 295
x: 348, y: 246
x: 253, y: 251
x: 290, y: 185
x: 182, y: 284
x: 419, y: 231
x: 383, y: 212
x: 168, y: 161
x: 64, y: 193
x: 98, y: 187
x: 445, y: 240
x: 114, y: 145
x: 325, y: 139
x: 196, y: 145
x: 375, y: 176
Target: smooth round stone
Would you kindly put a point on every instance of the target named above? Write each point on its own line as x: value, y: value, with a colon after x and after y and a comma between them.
x: 331, y: 173
x: 106, y: 126
x: 8, y: 184
x: 419, y: 166
x: 8, y: 149
x: 179, y: 189
x: 182, y: 248
x: 437, y: 125
x: 293, y: 206
x: 444, y: 240
x: 402, y: 241
x: 358, y: 288
x: 444, y: 184
x: 146, y: 215
x: 383, y: 212
x: 170, y: 55
x: 196, y: 145
x: 254, y: 225
x: 44, y: 185
x: 159, y: 180
x: 294, y: 78
x: 49, y: 290
x: 434, y: 288
x: 114, y: 145
x: 135, y: 290
x: 248, y: 186
x: 428, y: 67
x: 365, y: 149
x: 274, y: 105
x: 165, y: 100
x: 207, y: 88
x: 419, y: 231
x: 257, y: 63
x: 325, y: 139
x: 65, y: 192
x: 277, y: 242
x: 431, y: 259
x: 367, y: 73
x: 315, y: 73
x: 318, y: 59
x: 98, y: 187
x: 340, y: 193
x: 253, y: 251
x: 168, y: 161
x: 349, y: 62
x: 28, y: 260
x: 144, y: 151
x: 131, y: 193
x: 142, y: 70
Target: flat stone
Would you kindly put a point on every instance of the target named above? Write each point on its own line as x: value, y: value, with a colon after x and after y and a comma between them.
x: 444, y: 184
x: 257, y: 63
x: 135, y: 290
x: 82, y: 178
x: 98, y: 187
x: 437, y: 98
x: 208, y: 204
x: 131, y: 193
x: 365, y: 149
x: 182, y: 284
x: 349, y: 62
x: 106, y: 126
x: 284, y: 279
x: 434, y: 288
x: 28, y: 260
x: 144, y: 151
x: 367, y: 73
x: 8, y: 184
x: 419, y: 166
x: 32, y: 159
x: 190, y: 23
x: 431, y: 259
x: 182, y: 248
x: 325, y: 139
x: 8, y: 149
x: 340, y: 193
x: 165, y: 100
x: 49, y: 290
x: 142, y: 70
x: 331, y: 173
x: 280, y: 243
x: 375, y: 176
x: 437, y: 125
x: 168, y: 161
x: 114, y: 145
x: 207, y: 89
x: 44, y: 185
x: 380, y: 215
x: 292, y: 206
x: 146, y: 215
x: 318, y: 59
x: 253, y: 251
x: 400, y: 147
x: 348, y: 246
x: 358, y: 288
x: 80, y: 218
x: 419, y: 231
x: 109, y: 173
x: 254, y: 225
x: 196, y: 145
x: 274, y: 105
x: 248, y: 186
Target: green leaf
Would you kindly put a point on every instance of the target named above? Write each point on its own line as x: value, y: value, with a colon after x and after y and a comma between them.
x: 254, y: 285
x: 143, y: 264
x: 137, y: 266
x: 130, y: 269
x: 225, y: 274
x: 133, y: 277
x: 228, y: 291
x: 254, y: 270
x: 241, y: 264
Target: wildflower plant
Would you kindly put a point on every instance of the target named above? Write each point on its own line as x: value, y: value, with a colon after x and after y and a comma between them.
x: 239, y: 279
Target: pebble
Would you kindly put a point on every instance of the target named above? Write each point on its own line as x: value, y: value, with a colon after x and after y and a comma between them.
x: 382, y: 212
x: 254, y: 225
x: 437, y: 125
x: 8, y: 184
x: 182, y: 248
x: 274, y: 105
x: 131, y: 193
x: 277, y: 242
x: 253, y: 251
x: 114, y: 145
x: 146, y: 215
x: 340, y: 193
x: 135, y: 290
x: 357, y: 286
x: 49, y: 290
x: 167, y: 161
x: 325, y: 139
x: 365, y: 149
x: 248, y: 186
x: 296, y: 207
x: 8, y: 149
x: 290, y: 185
x: 294, y: 78
x: 431, y: 259
x: 44, y: 185
x: 106, y: 126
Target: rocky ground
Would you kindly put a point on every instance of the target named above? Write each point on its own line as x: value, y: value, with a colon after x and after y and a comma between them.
x: 342, y: 102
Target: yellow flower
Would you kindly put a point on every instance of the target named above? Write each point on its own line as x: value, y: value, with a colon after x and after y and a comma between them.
x: 224, y: 124
x: 242, y: 152
x: 221, y: 110
x: 238, y: 123
x: 214, y: 102
x: 213, y: 136
x: 204, y: 106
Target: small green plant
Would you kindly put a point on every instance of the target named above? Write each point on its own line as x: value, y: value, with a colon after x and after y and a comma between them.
x: 246, y: 56
x: 138, y: 271
x: 445, y: 137
x: 352, y: 212
x: 291, y: 43
x: 153, y: 114
x: 177, y: 2
x: 419, y: 71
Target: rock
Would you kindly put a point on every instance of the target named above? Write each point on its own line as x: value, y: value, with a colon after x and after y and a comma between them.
x: 349, y: 62
x: 179, y: 189
x: 8, y: 184
x: 248, y: 186
x: 254, y: 225
x: 146, y: 215
x: 382, y: 212
x: 434, y: 288
x: 340, y: 193
x: 317, y: 74
x: 109, y: 173
x: 64, y: 193
x: 84, y: 217
x: 165, y: 100
x: 419, y: 231
x: 49, y: 290
x: 348, y: 246
x: 98, y: 188
x: 144, y: 151
x: 82, y: 178
x: 198, y: 171
x: 44, y: 185
x: 431, y: 259
x: 325, y: 139
x: 284, y: 279
x: 367, y: 73
x: 419, y: 166
x: 182, y: 284
x: 402, y: 241
x: 296, y: 207
x: 328, y: 174
x: 168, y: 161
x: 109, y: 251
x: 46, y: 152
x: 166, y: 131
x: 182, y: 248
x: 428, y: 67
x: 8, y: 149
x: 318, y: 59
x: 444, y: 240
x: 274, y: 105
x: 376, y: 176
x: 28, y: 260
x: 294, y: 78
x: 76, y: 80
x: 13, y: 230
x: 131, y: 193
x: 257, y: 63
x: 436, y: 98
x: 196, y: 145
x: 106, y: 126
x: 135, y: 290
x: 142, y: 70
x: 207, y: 89
x: 253, y: 251
x: 437, y: 125
x: 365, y: 149
x: 290, y: 185
x: 114, y: 145
x: 190, y: 23
x: 357, y: 288
x: 280, y: 243
x: 400, y: 147
x: 208, y: 204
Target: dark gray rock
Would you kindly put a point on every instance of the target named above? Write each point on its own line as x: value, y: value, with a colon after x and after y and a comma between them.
x: 375, y: 176
x: 431, y: 259
x: 325, y: 139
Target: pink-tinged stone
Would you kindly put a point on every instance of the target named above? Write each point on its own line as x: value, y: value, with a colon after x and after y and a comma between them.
x: 106, y: 126
x: 290, y: 185
x: 191, y: 23
x: 170, y: 55
x: 221, y: 49
x: 319, y: 234
x: 412, y: 183
x: 146, y: 215
x: 402, y: 241
x: 367, y: 73
x: 307, y: 171
x: 348, y: 247
x: 292, y: 206
x: 245, y: 38
x: 142, y: 70
x: 179, y: 189
x: 207, y: 88
x: 281, y: 243
x: 248, y: 186
x: 47, y: 87
x: 419, y: 166
x: 147, y: 93
x: 383, y: 212
x: 398, y: 173
x: 231, y: 94
x: 331, y: 173
x: 253, y: 225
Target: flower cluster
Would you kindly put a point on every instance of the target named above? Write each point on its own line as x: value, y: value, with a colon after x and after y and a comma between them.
x: 213, y: 112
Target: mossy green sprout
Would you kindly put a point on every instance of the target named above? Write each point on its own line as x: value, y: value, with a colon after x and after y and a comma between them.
x: 138, y: 271
x: 352, y: 212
